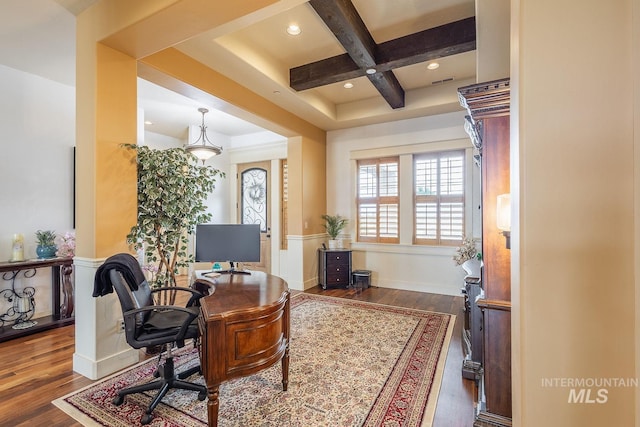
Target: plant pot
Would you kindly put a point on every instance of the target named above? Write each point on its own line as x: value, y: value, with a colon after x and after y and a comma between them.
x: 46, y: 251
x: 472, y: 267
x: 335, y: 243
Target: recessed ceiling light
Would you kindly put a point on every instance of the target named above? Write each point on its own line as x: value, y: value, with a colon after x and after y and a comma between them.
x: 433, y: 66
x: 348, y: 85
x: 371, y: 70
x: 147, y: 122
x: 276, y: 92
x: 293, y: 29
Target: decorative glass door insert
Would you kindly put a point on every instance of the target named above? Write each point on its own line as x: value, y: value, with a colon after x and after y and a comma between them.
x: 254, y: 197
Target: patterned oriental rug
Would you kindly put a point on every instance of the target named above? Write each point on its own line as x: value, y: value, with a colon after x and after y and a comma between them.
x: 352, y: 363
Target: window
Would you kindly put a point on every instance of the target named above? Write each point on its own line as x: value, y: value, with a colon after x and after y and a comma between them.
x: 439, y: 198
x: 378, y: 201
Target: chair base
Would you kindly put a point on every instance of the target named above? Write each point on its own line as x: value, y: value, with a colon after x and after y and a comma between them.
x: 168, y: 380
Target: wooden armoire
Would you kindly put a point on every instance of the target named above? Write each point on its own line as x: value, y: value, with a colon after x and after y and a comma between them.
x: 488, y: 125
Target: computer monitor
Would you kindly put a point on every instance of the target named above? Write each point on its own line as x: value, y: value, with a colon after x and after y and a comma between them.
x: 228, y: 242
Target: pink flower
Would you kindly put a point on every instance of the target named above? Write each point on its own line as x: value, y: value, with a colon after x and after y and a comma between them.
x: 66, y: 244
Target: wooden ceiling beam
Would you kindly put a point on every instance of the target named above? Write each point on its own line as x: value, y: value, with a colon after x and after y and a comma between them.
x: 445, y: 40
x: 389, y: 87
x: 342, y: 18
x: 433, y: 43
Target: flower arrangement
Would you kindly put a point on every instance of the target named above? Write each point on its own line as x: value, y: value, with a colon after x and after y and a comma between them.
x: 467, y: 251
x: 66, y: 244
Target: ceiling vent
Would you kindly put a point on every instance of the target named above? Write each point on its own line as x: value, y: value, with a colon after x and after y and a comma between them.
x: 439, y: 82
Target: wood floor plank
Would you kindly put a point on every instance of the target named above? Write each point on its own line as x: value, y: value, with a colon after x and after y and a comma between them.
x: 37, y: 369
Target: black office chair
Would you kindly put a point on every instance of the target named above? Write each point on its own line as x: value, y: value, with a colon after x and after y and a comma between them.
x: 147, y: 324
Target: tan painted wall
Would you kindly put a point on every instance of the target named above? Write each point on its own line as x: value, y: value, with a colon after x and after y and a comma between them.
x: 492, y: 39
x: 106, y: 175
x: 636, y: 112
x: 296, y: 186
x: 573, y: 245
x: 115, y: 168
x: 306, y: 161
x: 314, y: 185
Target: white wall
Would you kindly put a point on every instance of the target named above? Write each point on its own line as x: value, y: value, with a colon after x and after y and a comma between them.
x: 37, y: 135
x: 403, y: 266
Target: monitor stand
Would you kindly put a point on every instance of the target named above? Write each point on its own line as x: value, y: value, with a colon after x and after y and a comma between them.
x: 233, y: 270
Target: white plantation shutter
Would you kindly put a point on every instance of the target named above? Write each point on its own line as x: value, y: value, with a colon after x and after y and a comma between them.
x: 439, y: 198
x: 378, y: 202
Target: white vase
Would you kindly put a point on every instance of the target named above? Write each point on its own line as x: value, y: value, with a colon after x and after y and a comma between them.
x: 472, y: 267
x: 335, y: 243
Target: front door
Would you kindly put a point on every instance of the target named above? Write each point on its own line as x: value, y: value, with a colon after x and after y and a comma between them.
x: 253, y: 207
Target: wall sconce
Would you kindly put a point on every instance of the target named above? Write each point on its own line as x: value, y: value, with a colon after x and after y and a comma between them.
x: 503, y: 217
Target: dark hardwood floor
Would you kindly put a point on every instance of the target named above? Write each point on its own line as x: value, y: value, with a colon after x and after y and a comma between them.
x: 37, y: 369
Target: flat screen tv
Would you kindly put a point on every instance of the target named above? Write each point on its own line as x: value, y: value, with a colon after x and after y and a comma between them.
x: 228, y: 242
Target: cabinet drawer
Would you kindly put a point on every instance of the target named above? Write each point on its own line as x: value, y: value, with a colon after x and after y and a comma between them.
x: 338, y: 258
x: 338, y: 265
x: 338, y: 278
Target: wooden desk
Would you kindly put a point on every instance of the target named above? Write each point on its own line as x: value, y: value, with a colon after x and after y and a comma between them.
x: 244, y: 324
x: 61, y: 295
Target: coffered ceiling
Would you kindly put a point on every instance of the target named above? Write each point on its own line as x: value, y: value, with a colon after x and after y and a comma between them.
x: 258, y: 53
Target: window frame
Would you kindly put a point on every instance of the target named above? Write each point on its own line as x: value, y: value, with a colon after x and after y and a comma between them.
x: 439, y: 199
x: 377, y: 200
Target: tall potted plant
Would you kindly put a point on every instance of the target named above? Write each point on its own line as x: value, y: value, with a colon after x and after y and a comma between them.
x: 334, y: 224
x: 172, y: 190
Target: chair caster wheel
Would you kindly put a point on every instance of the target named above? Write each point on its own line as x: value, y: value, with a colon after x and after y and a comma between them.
x: 202, y: 395
x: 146, y: 419
x: 118, y: 400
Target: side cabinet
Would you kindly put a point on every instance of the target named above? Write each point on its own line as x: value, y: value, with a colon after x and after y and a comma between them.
x: 334, y: 268
x: 488, y: 124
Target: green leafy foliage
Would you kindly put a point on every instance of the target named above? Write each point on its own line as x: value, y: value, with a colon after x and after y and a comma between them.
x: 172, y: 190
x: 45, y: 237
x: 334, y: 224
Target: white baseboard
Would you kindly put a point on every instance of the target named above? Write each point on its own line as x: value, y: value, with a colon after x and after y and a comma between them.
x: 432, y: 288
x: 96, y: 369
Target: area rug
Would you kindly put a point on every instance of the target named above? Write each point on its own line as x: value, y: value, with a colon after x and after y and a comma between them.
x: 352, y: 364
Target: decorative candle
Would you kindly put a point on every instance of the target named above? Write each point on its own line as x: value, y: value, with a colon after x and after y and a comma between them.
x: 17, y: 253
x: 25, y: 304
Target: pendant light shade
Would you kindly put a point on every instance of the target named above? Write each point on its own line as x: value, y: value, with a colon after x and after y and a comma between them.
x: 202, y: 148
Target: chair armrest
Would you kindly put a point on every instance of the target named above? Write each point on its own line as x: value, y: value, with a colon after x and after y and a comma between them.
x: 195, y: 294
x: 204, y: 286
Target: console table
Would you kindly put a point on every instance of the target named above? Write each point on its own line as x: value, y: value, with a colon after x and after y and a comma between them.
x: 244, y: 323
x: 61, y: 295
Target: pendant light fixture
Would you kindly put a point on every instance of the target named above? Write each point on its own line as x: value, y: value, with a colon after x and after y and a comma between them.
x: 203, y: 149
